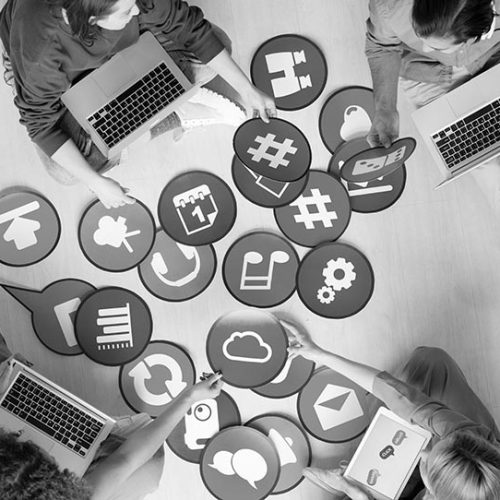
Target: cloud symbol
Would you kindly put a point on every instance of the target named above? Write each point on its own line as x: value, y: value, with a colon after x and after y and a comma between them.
x: 247, y: 346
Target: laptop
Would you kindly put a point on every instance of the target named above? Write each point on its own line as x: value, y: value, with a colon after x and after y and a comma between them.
x: 387, y: 455
x: 461, y: 129
x: 61, y: 424
x: 119, y: 101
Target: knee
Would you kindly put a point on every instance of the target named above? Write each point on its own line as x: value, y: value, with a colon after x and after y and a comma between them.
x: 223, y: 37
x: 431, y: 356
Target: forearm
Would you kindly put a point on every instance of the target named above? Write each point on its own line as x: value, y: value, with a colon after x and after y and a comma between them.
x: 361, y: 374
x: 144, y: 443
x: 225, y: 66
x: 71, y: 159
x: 385, y: 67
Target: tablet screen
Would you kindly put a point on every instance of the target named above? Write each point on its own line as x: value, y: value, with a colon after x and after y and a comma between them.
x: 387, y: 454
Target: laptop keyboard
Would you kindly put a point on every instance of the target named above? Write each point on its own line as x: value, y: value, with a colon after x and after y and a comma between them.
x: 54, y: 416
x: 472, y: 135
x: 136, y: 105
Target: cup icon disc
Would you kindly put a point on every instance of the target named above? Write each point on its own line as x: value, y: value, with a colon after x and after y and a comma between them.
x: 249, y: 347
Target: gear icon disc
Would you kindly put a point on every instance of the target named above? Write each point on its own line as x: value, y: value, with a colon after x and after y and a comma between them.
x: 347, y: 279
x: 326, y: 295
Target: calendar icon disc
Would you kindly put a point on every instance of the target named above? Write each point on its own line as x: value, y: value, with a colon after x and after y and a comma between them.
x: 197, y: 208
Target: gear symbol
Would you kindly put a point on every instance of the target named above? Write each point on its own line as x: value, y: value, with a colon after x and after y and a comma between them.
x: 339, y: 264
x: 326, y: 295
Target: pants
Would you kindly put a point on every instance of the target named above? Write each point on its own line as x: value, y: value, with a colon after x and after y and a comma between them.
x: 194, y: 70
x: 435, y: 373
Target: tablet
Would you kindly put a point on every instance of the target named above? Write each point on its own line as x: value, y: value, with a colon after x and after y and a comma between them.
x: 387, y: 455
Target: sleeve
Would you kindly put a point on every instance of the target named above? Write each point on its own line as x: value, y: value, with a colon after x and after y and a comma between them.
x: 40, y: 82
x: 184, y: 25
x: 380, y: 38
x: 418, y: 408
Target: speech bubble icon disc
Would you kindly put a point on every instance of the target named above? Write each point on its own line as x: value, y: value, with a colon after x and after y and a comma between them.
x: 222, y: 463
x: 250, y: 466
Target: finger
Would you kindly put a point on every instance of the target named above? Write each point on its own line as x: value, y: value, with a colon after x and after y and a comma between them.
x: 385, y: 140
x: 271, y: 109
x: 291, y: 328
x: 373, y: 140
x: 129, y: 200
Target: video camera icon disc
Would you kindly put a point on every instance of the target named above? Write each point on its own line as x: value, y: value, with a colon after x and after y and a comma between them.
x: 277, y: 150
x: 175, y: 272
x: 259, y: 269
x: 292, y: 69
x: 335, y: 280
x: 154, y: 379
x: 202, y: 422
x: 113, y: 326
x: 369, y: 196
x: 29, y: 228
x: 249, y: 347
x: 116, y: 239
x: 332, y: 407
x: 292, y: 445
x: 197, y: 208
x: 321, y: 213
x: 263, y: 191
x: 240, y: 463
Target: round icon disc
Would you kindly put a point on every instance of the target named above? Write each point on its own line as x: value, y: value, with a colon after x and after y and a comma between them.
x: 335, y: 280
x: 263, y: 191
x: 290, y: 68
x: 202, y: 422
x: 277, y: 150
x: 175, y: 272
x: 321, y: 213
x: 292, y: 445
x: 378, y: 162
x: 240, y: 462
x: 29, y: 228
x: 373, y: 196
x: 249, y: 347
x: 259, y: 269
x: 116, y: 239
x: 113, y: 326
x: 155, y: 378
x: 294, y: 375
x: 332, y: 407
x: 197, y: 208
x: 53, y: 310
x: 347, y: 114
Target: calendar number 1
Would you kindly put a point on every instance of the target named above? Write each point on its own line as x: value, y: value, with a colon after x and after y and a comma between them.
x: 198, y: 213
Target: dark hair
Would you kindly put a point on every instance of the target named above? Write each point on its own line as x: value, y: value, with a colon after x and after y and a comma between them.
x: 26, y: 473
x: 461, y: 20
x: 80, y: 11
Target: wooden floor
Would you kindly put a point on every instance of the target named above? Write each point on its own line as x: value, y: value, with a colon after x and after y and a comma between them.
x: 435, y: 253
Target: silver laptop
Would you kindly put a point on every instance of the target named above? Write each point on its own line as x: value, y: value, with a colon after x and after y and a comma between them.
x: 122, y: 99
x: 57, y: 421
x: 461, y: 129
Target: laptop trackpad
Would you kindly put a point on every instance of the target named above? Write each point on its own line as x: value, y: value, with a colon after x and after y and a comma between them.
x: 114, y: 75
x: 466, y: 99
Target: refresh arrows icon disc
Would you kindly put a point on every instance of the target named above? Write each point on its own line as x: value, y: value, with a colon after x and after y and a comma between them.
x: 159, y: 375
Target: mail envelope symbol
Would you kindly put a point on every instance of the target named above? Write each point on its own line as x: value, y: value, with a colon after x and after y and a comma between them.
x: 337, y: 405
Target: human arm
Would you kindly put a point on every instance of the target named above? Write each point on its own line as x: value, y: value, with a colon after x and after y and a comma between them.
x: 253, y: 99
x: 109, y: 192
x: 383, y: 51
x: 143, y: 443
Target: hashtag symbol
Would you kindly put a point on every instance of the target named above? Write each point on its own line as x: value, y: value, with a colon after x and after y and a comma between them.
x: 321, y: 215
x: 269, y: 142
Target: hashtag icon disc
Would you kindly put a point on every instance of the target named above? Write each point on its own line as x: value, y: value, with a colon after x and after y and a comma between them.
x: 321, y: 215
x: 268, y: 143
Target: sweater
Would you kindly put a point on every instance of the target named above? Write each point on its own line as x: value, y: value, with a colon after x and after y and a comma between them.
x: 47, y: 58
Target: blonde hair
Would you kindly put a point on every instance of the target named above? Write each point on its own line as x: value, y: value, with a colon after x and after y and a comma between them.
x: 465, y: 467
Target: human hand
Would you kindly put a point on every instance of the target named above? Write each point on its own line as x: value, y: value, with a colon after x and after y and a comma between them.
x: 385, y: 128
x: 257, y: 102
x: 334, y: 481
x: 110, y: 193
x: 300, y: 342
x: 209, y: 388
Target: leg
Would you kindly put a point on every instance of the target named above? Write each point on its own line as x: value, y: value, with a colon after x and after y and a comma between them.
x: 436, y: 374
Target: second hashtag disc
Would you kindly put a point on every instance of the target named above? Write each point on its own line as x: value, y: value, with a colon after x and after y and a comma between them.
x: 321, y: 213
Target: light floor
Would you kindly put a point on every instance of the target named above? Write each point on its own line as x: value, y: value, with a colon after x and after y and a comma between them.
x: 435, y: 253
